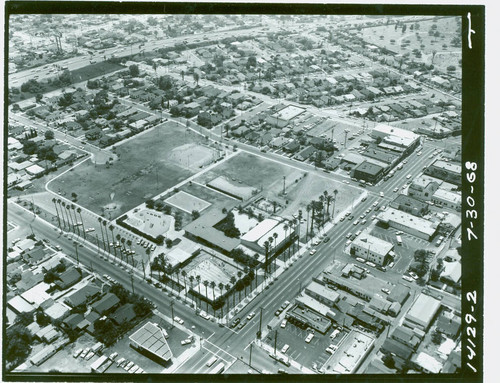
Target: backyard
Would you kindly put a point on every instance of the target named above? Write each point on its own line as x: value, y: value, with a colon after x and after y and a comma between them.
x: 146, y: 166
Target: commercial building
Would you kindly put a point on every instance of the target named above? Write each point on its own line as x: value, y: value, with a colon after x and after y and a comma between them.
x: 304, y: 317
x: 450, y: 172
x: 322, y: 293
x: 422, y: 312
x: 428, y: 364
x: 423, y: 187
x: 349, y: 285
x: 284, y: 117
x: 19, y: 305
x: 368, y: 172
x: 447, y: 198
x: 410, y: 205
x: 305, y: 301
x: 371, y: 248
x: 416, y: 226
x: 150, y: 341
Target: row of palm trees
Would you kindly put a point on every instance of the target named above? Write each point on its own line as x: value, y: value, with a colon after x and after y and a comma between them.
x: 65, y: 221
x: 320, y: 211
x: 166, y: 272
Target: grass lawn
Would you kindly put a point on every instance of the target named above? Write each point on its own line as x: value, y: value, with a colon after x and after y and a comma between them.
x: 445, y: 56
x: 144, y: 167
x: 253, y: 171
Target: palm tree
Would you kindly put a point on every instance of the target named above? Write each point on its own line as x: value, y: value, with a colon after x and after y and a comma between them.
x: 233, y: 281
x: 212, y: 285
x: 335, y: 192
x: 239, y: 291
x: 322, y: 202
x: 221, y: 287
x: 58, y: 202
x: 308, y: 209
x: 206, y: 292
x: 285, y: 227
x: 122, y: 240
x: 328, y: 200
x: 177, y: 272
x: 161, y: 264
x: 191, y: 280
x: 112, y: 228
x: 68, y: 208
x: 65, y: 212
x: 275, y: 236
x: 198, y: 280
x: 57, y: 213
x: 102, y: 232
x: 228, y: 287
x: 184, y: 274
x: 79, y: 211
x: 169, y: 270
x: 245, y: 271
x: 266, y: 248
x: 104, y: 223
x: 76, y: 219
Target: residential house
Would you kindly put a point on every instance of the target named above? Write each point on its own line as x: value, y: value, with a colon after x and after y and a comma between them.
x: 68, y: 278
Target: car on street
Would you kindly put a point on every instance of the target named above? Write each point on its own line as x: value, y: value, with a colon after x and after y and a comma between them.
x: 360, y: 260
x: 395, y: 189
x: 204, y: 315
x: 178, y: 320
x: 371, y: 264
x: 278, y: 312
x: 326, y: 239
x: 407, y: 278
x: 235, y: 323
x: 186, y: 341
x: 313, y: 251
x: 391, y: 264
x: 348, y: 235
x: 242, y: 324
x: 355, y: 222
x: 413, y: 275
x: 251, y: 315
x: 384, y: 290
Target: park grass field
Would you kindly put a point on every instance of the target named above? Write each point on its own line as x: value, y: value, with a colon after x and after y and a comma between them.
x: 445, y: 55
x: 144, y: 168
x: 253, y: 171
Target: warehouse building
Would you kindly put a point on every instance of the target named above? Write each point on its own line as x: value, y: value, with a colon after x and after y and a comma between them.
x: 422, y: 313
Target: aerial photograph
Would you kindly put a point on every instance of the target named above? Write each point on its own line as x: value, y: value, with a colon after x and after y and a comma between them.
x: 233, y: 194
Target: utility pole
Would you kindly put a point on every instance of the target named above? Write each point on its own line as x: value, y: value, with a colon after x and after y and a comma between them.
x: 132, y: 281
x: 346, y: 132
x: 284, y: 185
x: 76, y: 250
x: 143, y: 269
x: 172, y: 309
x: 275, y: 340
x: 259, y: 333
x: 250, y: 360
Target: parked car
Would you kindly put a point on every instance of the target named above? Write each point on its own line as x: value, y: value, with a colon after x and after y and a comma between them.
x: 309, y: 338
x: 285, y: 348
x: 283, y: 323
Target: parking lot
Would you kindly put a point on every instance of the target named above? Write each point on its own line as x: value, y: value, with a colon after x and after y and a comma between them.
x: 406, y: 250
x: 304, y: 353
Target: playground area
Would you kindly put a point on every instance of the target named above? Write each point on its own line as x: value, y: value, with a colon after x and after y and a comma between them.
x: 211, y: 269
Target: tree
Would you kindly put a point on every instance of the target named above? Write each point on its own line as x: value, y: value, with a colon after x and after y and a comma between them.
x: 17, y: 345
x: 38, y: 97
x: 205, y: 283
x: 195, y: 214
x: 133, y: 70
x: 49, y: 135
x: 437, y: 337
x: 388, y: 360
x: 196, y: 77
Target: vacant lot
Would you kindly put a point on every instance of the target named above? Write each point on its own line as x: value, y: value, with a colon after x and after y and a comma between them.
x: 144, y: 168
x: 311, y: 187
x: 446, y: 28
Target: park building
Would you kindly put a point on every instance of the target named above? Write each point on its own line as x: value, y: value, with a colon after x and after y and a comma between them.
x: 269, y: 228
x: 371, y: 248
x: 416, y: 226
